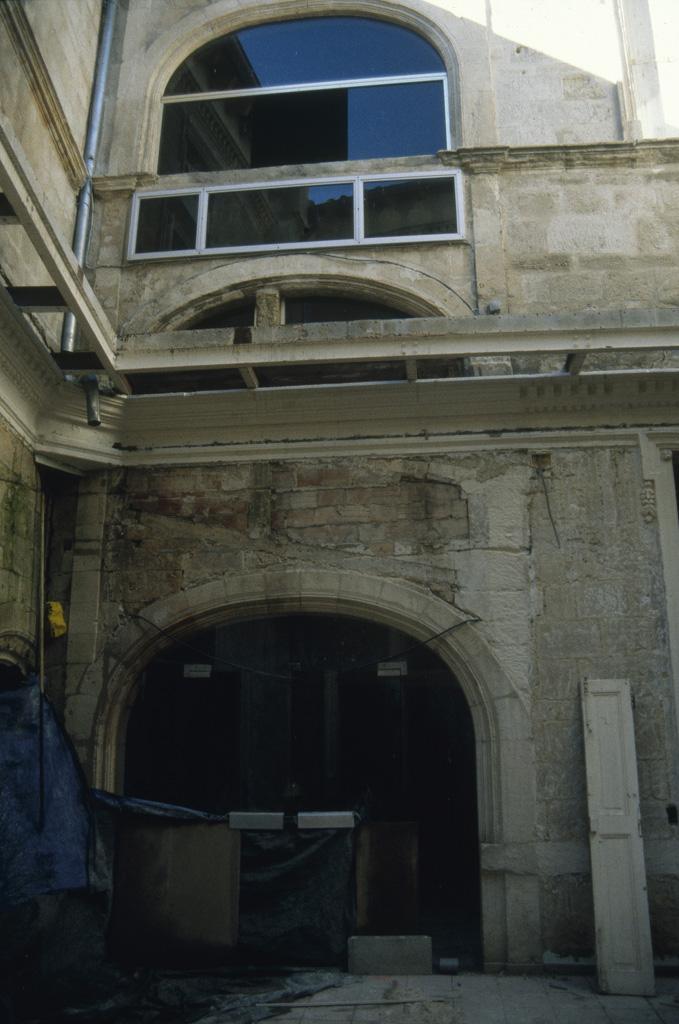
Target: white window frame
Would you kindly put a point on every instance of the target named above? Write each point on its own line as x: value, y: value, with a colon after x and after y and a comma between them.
x: 358, y: 239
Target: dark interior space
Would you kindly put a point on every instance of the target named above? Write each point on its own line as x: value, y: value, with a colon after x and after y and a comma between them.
x: 319, y: 713
x: 299, y: 128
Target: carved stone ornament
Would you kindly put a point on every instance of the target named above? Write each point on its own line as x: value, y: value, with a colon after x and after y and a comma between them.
x: 648, y: 508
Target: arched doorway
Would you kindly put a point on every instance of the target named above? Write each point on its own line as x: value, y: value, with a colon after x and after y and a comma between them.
x: 314, y: 712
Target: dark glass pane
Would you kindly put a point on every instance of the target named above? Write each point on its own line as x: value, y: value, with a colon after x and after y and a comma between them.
x: 306, y: 50
x: 228, y: 316
x: 333, y: 309
x: 396, y: 120
x: 210, y: 136
x: 269, y: 131
x: 416, y: 206
x: 271, y: 216
x: 299, y: 128
x: 303, y: 128
x: 167, y: 223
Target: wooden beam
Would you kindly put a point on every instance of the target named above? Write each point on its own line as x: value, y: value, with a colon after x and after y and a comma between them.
x: 29, y: 202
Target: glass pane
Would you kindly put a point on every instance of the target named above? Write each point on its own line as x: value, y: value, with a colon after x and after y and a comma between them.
x: 241, y: 315
x: 416, y: 206
x: 303, y: 128
x: 307, y: 50
x: 269, y: 131
x: 270, y: 216
x: 334, y: 308
x: 167, y: 223
x: 396, y: 120
x: 211, y: 136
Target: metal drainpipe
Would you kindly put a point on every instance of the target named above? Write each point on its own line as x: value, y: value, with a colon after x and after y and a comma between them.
x: 83, y: 220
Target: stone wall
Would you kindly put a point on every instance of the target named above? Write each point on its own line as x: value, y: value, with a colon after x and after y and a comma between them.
x: 599, y: 613
x: 575, y: 595
x: 19, y: 547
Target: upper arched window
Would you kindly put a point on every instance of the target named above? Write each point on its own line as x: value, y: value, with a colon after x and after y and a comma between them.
x: 302, y: 92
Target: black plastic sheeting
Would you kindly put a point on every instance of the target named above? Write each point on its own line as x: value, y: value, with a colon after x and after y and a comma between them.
x: 297, y: 895
x: 44, y: 839
x: 134, y: 805
x: 297, y: 887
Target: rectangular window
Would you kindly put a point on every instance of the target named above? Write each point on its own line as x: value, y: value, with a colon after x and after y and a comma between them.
x: 167, y: 223
x: 360, y: 210
x: 279, y: 216
x: 410, y: 207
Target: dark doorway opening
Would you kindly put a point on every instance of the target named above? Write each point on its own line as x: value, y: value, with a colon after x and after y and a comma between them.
x: 321, y: 713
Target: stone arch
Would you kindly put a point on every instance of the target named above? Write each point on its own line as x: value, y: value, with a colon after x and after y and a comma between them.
x: 445, y: 32
x: 504, y: 762
x: 181, y: 302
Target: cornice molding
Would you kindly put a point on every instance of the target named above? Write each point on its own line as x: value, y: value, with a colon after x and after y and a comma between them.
x: 498, y: 159
x: 121, y: 186
x: 435, y: 417
x: 31, y: 61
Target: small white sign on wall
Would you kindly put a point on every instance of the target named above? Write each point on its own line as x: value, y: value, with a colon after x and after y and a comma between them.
x: 197, y: 671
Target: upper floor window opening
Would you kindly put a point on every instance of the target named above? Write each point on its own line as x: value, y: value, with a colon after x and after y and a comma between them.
x: 304, y: 308
x: 312, y: 90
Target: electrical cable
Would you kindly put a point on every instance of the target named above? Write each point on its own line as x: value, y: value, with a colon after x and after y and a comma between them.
x: 274, y: 675
x: 549, y: 508
x: 333, y: 255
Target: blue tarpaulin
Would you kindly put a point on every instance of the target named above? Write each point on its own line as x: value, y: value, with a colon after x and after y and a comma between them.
x: 44, y: 840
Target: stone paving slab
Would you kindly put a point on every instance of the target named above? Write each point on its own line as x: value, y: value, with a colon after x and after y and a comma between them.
x: 482, y: 999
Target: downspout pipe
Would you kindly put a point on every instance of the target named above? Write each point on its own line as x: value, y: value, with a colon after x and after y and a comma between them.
x: 83, y: 220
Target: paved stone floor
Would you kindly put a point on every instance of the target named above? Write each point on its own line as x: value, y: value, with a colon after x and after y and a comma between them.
x: 482, y: 999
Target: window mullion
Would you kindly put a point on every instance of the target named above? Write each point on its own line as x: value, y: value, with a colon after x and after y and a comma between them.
x: 359, y: 232
x: 340, y: 83
x: 201, y: 225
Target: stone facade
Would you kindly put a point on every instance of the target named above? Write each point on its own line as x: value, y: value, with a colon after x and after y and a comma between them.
x: 517, y: 515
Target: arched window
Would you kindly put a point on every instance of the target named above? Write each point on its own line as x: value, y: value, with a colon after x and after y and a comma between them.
x: 306, y: 91
x: 304, y: 309
x: 302, y: 93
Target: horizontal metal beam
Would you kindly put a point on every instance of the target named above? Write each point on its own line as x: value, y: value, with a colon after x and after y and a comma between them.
x: 7, y: 214
x: 31, y: 206
x: 37, y: 298
x: 575, y: 362
x: 214, y: 349
x: 71, y: 362
x: 249, y: 376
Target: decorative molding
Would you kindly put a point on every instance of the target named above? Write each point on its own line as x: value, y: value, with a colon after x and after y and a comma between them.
x: 121, y: 186
x: 21, y: 35
x: 17, y: 649
x: 648, y: 503
x: 496, y: 159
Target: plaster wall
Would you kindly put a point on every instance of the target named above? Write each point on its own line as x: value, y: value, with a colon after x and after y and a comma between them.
x: 580, y: 594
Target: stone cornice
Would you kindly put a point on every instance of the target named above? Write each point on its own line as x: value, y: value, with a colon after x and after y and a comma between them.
x: 30, y: 59
x: 121, y: 186
x: 497, y: 159
x: 437, y: 416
